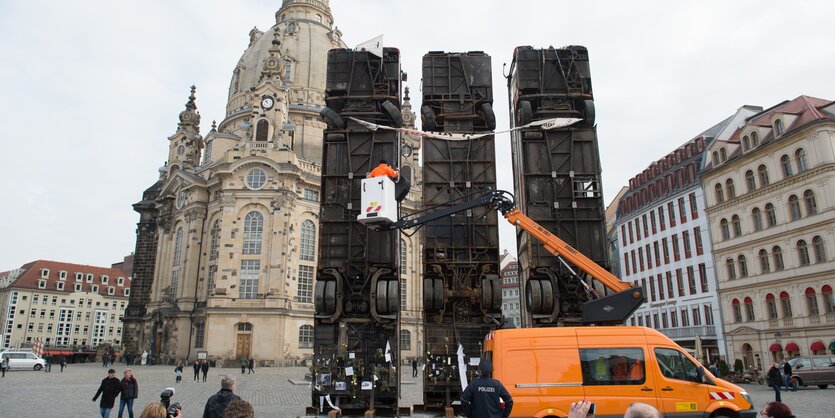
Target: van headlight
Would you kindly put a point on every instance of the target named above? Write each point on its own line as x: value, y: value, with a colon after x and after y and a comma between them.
x: 747, y: 398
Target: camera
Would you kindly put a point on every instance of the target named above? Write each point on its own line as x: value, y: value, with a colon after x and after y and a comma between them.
x: 173, y: 409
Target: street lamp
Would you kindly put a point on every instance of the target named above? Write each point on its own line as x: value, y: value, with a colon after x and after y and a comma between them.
x: 777, y: 336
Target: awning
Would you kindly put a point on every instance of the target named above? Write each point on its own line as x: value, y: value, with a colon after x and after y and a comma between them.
x: 818, y: 346
x: 775, y: 348
x: 792, y: 348
x: 57, y: 353
x: 832, y: 345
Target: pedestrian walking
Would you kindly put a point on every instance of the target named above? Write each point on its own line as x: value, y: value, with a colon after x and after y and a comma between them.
x: 204, y: 367
x: 63, y: 363
x: 196, y: 367
x: 104, y: 360
x: 251, y: 365
x: 4, y: 365
x: 787, y: 376
x: 217, y: 403
x: 244, y: 363
x: 486, y: 397
x: 109, y: 389
x: 178, y: 372
x: 774, y: 380
x: 414, y: 367
x: 48, y: 365
x: 130, y: 391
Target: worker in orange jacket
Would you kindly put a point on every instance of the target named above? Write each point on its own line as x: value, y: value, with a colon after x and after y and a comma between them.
x: 384, y: 169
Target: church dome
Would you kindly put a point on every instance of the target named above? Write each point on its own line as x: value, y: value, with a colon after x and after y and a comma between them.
x: 306, y: 32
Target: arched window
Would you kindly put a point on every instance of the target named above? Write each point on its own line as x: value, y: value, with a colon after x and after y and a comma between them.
x: 723, y: 155
x: 243, y: 327
x: 765, y: 267
x: 811, y: 202
x: 715, y: 158
x: 800, y: 155
x: 307, y: 243
x: 749, y: 309
x: 756, y: 216
x: 786, y: 163
x: 750, y: 183
x: 803, y: 253
x: 778, y: 258
x: 828, y: 299
x: 812, y: 302
x: 786, y: 301
x: 178, y: 247
x: 729, y: 264
x: 729, y: 185
x: 720, y: 197
x: 737, y: 225
x: 737, y: 311
x: 288, y: 70
x: 746, y: 143
x: 253, y: 232
x: 771, y: 306
x: 207, y: 153
x: 306, y: 336
x: 743, y: 266
x: 214, y: 237
x: 403, y: 263
x: 762, y: 171
x: 755, y: 139
x: 262, y: 130
x: 820, y: 249
x: 778, y: 127
x: 726, y: 232
x: 770, y: 215
x: 794, y: 207
x: 405, y: 339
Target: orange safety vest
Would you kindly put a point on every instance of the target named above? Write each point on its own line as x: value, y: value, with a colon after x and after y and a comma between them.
x: 384, y: 170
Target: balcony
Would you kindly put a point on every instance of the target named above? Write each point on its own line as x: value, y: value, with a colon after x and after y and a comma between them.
x: 788, y: 322
x: 690, y: 332
x: 773, y: 323
x: 830, y: 317
x: 815, y: 319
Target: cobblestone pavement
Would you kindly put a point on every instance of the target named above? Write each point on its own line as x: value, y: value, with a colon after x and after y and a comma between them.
x: 270, y: 390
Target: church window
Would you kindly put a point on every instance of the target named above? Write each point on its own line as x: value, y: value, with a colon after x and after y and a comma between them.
x: 178, y: 246
x: 175, y: 282
x: 253, y: 231
x: 306, y: 336
x: 199, y: 334
x: 181, y: 198
x: 207, y: 156
x: 311, y: 195
x: 214, y: 237
x: 256, y: 178
x: 262, y: 130
x: 308, y: 241
x: 305, y: 289
x: 288, y: 70
x: 210, y: 281
x: 319, y: 18
x: 249, y: 278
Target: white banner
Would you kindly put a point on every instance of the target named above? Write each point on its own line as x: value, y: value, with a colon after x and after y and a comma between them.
x: 374, y: 46
x: 546, y: 124
x: 462, y: 368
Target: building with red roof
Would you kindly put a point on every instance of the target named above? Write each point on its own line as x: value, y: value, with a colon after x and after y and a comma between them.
x: 71, y: 307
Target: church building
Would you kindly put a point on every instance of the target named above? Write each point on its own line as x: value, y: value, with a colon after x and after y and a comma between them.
x: 226, y: 246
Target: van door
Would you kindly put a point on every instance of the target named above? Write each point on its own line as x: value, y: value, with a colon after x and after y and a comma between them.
x: 822, y: 370
x: 803, y: 370
x: 614, y: 377
x: 680, y: 390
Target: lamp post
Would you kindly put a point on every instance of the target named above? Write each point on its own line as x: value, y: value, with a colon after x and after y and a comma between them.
x: 777, y: 336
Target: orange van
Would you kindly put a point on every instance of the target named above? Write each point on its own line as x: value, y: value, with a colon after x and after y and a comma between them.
x: 546, y: 369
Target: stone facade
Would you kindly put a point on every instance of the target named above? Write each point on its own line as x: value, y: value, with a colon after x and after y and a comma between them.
x: 228, y: 238
x: 771, y: 204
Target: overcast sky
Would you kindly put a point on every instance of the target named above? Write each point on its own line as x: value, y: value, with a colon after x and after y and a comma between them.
x: 90, y: 90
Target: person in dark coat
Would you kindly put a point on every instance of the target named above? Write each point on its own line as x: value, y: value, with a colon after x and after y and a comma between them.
x: 414, y: 367
x: 787, y: 375
x: 204, y: 367
x: 775, y: 380
x: 483, y: 396
x: 218, y: 402
x: 130, y: 391
x: 196, y: 367
x: 244, y: 363
x: 251, y: 365
x: 109, y: 389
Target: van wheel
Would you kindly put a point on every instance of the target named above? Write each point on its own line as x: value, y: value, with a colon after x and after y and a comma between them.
x: 38, y: 367
x: 823, y: 386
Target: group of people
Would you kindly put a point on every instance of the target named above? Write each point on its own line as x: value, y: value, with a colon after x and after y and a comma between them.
x: 199, y: 366
x: 224, y: 404
x: 780, y: 376
x: 247, y: 363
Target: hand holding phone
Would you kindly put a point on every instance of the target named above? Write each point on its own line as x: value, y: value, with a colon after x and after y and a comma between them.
x: 592, y: 408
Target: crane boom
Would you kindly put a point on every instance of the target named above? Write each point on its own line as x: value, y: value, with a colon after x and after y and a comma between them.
x: 609, y: 309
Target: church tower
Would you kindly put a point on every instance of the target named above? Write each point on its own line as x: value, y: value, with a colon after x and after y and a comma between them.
x: 185, y: 145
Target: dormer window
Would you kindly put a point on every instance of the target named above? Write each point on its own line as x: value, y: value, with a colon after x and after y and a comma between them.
x: 59, y: 285
x: 94, y: 288
x: 45, y: 273
x: 715, y: 158
x: 120, y: 281
x: 723, y: 154
x: 746, y: 143
x: 126, y: 291
x: 62, y: 275
x: 111, y: 290
x: 41, y: 284
x: 79, y: 277
x: 104, y: 279
x: 778, y: 127
x: 89, y: 278
x: 78, y: 287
